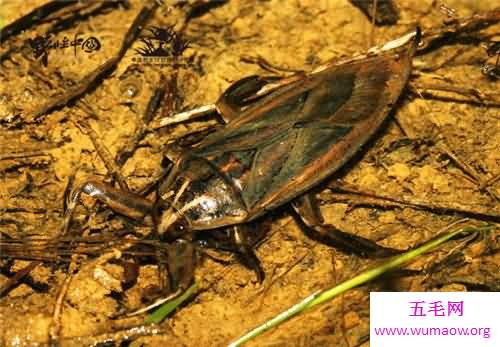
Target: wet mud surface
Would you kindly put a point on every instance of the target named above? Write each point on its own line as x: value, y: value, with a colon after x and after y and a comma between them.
x: 433, y: 163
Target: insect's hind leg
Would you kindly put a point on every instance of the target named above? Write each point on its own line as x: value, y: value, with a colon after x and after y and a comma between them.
x: 229, y: 104
x: 120, y: 201
x: 330, y: 235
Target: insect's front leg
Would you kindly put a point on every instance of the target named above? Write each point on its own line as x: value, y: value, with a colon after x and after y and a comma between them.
x: 332, y: 236
x: 180, y: 262
x: 120, y: 201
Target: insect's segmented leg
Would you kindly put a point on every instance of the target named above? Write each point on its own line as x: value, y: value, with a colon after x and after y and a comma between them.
x: 184, y: 116
x: 239, y: 242
x: 181, y: 264
x: 264, y: 64
x: 122, y: 202
x: 246, y: 252
x: 230, y: 103
x: 228, y: 106
x: 330, y: 235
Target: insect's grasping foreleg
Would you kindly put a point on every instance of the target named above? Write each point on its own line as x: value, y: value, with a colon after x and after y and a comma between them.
x: 122, y: 202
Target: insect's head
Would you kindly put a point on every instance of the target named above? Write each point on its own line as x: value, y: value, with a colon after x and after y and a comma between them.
x: 171, y: 213
x: 172, y: 223
x: 196, y: 196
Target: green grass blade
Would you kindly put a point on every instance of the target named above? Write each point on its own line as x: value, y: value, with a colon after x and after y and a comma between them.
x: 157, y: 316
x: 320, y: 297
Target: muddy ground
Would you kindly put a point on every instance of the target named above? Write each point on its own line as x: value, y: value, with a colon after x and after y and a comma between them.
x: 445, y: 173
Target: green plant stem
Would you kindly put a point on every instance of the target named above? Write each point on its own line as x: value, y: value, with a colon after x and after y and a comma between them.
x: 157, y: 316
x: 320, y: 297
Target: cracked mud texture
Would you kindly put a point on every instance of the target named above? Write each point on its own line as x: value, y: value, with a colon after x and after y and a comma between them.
x: 291, y: 34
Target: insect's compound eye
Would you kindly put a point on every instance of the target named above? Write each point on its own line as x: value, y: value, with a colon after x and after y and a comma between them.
x: 180, y: 226
x: 178, y: 229
x: 172, y: 229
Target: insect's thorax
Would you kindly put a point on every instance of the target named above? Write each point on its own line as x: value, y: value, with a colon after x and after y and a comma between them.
x: 197, y: 193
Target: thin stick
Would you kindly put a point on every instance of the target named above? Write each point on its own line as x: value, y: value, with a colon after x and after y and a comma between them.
x: 55, y: 324
x: 445, y: 34
x: 451, y: 208
x: 26, y: 154
x: 103, y: 153
x: 33, y: 18
x: 128, y: 150
x: 184, y: 116
x: 122, y: 335
x: 14, y: 280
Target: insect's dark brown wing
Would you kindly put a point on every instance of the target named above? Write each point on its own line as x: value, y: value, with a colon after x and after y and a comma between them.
x: 296, y: 136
